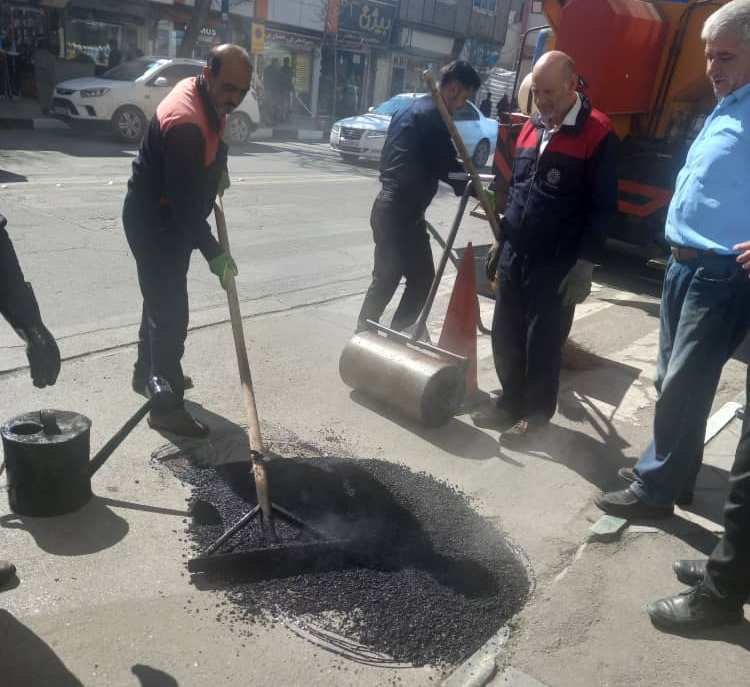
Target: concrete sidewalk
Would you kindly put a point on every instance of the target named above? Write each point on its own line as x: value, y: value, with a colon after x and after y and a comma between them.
x: 104, y: 598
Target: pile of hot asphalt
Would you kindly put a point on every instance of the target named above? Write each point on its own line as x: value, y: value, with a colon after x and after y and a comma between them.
x: 440, y: 580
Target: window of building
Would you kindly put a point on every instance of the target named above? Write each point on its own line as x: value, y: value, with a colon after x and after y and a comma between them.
x: 485, y: 5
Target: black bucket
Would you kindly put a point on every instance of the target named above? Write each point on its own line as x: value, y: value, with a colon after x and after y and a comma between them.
x: 47, y: 461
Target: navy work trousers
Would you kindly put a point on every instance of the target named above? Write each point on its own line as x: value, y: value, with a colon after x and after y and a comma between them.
x: 402, y: 249
x: 529, y: 328
x: 162, y: 257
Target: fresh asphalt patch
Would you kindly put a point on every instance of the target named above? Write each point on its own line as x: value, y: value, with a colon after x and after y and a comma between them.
x: 437, y: 582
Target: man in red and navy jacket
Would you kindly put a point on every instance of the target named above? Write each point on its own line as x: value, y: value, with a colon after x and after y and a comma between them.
x: 562, y: 196
x: 171, y: 193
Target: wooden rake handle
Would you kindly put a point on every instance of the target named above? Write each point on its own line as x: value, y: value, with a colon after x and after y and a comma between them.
x: 468, y: 163
x: 257, y: 449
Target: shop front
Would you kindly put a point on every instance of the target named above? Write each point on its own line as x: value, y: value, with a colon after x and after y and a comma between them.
x: 418, y: 51
x: 289, y: 66
x: 94, y: 27
x: 25, y: 29
x: 357, y: 61
x: 170, y: 22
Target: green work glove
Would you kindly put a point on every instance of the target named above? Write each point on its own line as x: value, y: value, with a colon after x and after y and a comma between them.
x: 222, y: 266
x: 224, y: 183
x: 576, y: 286
x: 492, y: 199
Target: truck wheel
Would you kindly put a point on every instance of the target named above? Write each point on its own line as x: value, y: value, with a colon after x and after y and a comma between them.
x: 129, y: 124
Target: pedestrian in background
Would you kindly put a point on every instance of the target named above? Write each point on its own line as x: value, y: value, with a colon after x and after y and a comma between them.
x: 418, y: 152
x: 115, y: 56
x: 560, y: 201
x: 705, y: 305
x: 485, y: 107
x: 286, y: 88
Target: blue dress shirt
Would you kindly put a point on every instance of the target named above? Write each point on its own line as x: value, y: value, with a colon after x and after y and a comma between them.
x: 710, y: 208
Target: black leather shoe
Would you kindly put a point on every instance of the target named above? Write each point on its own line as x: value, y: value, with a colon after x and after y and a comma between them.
x: 690, y: 572
x: 178, y: 422
x: 625, y: 504
x: 139, y: 383
x: 7, y: 572
x: 628, y: 475
x: 694, y: 609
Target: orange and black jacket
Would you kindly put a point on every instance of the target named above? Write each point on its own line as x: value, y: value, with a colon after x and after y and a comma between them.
x: 176, y: 173
x: 561, y: 202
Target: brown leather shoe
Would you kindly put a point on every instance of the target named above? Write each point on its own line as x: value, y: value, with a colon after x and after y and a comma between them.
x: 7, y: 572
x: 178, y: 422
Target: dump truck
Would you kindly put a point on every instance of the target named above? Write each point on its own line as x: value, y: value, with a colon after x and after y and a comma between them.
x: 642, y: 63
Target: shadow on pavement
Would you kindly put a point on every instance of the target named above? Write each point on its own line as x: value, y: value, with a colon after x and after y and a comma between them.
x: 11, y: 177
x: 151, y: 677
x: 93, y: 528
x: 26, y: 659
x: 739, y: 635
x: 69, y: 142
x: 456, y: 437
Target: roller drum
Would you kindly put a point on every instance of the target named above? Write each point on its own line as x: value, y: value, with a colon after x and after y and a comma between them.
x: 420, y: 384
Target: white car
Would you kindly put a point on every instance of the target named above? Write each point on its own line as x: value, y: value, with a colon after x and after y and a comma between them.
x: 364, y: 135
x: 127, y: 96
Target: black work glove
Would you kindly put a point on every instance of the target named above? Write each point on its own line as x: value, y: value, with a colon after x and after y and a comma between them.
x: 493, y: 257
x: 43, y: 354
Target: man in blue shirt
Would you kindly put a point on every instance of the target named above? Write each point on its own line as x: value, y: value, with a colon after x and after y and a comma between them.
x: 418, y: 152
x: 705, y: 314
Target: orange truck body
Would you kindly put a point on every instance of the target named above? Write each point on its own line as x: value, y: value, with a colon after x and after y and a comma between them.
x: 643, y: 64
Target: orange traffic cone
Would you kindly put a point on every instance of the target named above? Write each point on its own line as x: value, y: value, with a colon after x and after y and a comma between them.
x: 459, y: 333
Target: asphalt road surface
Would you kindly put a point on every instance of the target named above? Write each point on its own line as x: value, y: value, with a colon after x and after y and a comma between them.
x: 103, y: 598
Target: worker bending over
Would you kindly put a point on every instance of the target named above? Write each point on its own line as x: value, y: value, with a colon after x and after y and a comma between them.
x: 171, y: 193
x: 418, y: 152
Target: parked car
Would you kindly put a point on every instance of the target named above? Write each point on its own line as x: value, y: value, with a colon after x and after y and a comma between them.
x: 127, y: 97
x: 363, y: 136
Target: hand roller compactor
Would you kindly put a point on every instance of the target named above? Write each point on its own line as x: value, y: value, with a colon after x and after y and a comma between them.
x: 400, y: 370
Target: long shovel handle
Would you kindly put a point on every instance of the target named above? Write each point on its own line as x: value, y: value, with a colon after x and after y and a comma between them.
x: 471, y: 170
x: 257, y: 449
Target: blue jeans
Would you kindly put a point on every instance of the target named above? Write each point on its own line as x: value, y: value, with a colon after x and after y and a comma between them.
x: 705, y: 315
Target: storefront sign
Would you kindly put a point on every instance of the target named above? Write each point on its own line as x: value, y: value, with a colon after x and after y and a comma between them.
x: 372, y: 19
x: 258, y: 38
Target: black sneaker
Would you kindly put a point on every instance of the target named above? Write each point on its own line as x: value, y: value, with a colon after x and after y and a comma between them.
x: 694, y: 609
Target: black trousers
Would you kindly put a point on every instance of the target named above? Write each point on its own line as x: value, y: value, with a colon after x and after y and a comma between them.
x: 402, y: 249
x: 529, y: 329
x: 728, y: 569
x: 162, y: 259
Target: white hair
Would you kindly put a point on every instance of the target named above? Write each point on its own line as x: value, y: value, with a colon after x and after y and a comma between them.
x: 734, y: 17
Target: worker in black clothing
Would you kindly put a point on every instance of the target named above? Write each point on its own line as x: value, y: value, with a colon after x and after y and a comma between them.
x: 561, y: 198
x: 720, y: 586
x: 19, y: 307
x: 418, y: 152
x: 171, y: 193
